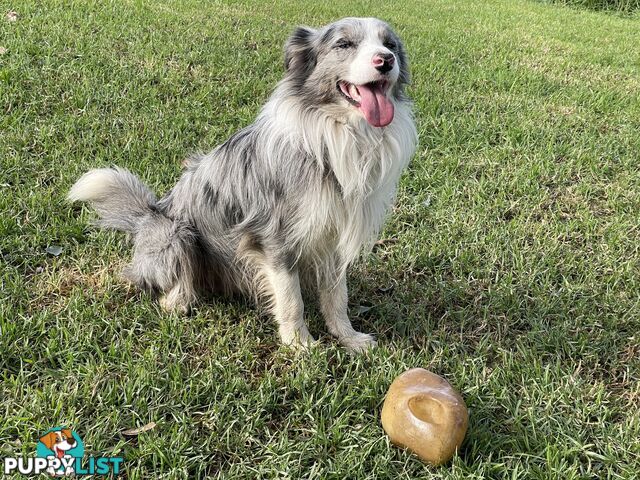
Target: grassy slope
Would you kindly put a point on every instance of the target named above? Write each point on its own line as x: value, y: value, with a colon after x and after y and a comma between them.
x: 515, y: 267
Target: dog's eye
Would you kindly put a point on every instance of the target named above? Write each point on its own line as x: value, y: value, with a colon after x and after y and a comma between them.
x: 343, y: 43
x: 390, y: 44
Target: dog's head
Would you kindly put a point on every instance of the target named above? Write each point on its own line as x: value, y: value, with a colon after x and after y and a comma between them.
x: 60, y: 440
x: 355, y: 66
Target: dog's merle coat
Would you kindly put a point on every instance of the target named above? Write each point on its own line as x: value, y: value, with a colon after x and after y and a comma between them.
x: 289, y: 200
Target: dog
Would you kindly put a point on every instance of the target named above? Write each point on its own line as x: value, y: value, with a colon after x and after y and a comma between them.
x: 59, y: 443
x: 287, y: 202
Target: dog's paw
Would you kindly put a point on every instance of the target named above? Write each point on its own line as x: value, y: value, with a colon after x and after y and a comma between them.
x: 358, y: 343
x: 171, y: 305
x: 298, y: 341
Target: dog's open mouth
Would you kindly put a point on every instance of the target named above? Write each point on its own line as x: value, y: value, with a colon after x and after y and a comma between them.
x: 371, y: 99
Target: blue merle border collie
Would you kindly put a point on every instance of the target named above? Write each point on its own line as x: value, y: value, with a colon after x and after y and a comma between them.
x: 287, y: 202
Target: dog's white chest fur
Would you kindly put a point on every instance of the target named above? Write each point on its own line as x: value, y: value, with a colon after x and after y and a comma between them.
x: 366, y: 162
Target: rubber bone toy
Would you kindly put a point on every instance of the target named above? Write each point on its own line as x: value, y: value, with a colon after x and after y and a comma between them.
x: 423, y: 413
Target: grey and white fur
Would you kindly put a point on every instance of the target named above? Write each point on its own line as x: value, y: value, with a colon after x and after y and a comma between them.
x: 288, y: 201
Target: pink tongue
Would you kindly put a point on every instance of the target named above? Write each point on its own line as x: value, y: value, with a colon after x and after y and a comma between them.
x: 376, y: 107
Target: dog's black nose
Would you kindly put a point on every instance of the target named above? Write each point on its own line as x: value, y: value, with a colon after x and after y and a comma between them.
x: 383, y: 62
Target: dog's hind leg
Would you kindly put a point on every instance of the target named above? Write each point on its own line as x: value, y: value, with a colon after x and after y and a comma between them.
x: 333, y: 305
x: 166, y: 261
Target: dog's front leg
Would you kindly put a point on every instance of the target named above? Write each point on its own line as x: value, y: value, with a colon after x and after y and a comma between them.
x: 333, y: 304
x: 287, y: 306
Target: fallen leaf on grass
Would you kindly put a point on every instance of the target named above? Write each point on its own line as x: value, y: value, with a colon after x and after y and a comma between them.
x: 386, y: 241
x: 362, y: 309
x: 12, y: 16
x: 132, y: 432
x: 54, y: 250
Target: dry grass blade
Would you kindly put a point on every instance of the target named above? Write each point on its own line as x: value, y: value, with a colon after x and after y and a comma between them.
x: 132, y: 432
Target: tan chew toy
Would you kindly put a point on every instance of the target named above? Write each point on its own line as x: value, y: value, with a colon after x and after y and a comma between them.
x: 423, y: 413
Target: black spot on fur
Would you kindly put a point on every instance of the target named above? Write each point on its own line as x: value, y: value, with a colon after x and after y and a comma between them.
x: 242, y: 145
x: 326, y: 36
x: 281, y: 252
x: 276, y: 189
x: 286, y: 260
x: 210, y: 195
x: 239, y: 142
x: 246, y: 165
x: 233, y: 213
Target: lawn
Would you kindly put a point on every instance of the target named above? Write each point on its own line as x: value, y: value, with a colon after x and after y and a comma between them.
x: 511, y: 264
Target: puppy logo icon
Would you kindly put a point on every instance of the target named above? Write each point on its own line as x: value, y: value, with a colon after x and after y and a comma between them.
x: 63, y: 445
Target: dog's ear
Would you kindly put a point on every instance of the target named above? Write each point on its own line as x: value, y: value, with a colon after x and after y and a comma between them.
x: 49, y: 440
x: 405, y: 77
x: 299, y: 51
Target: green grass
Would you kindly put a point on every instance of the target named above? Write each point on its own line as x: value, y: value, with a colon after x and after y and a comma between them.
x: 617, y: 6
x: 515, y: 266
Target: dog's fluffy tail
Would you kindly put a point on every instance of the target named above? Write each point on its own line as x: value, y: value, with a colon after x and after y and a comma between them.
x: 119, y: 197
x: 165, y: 249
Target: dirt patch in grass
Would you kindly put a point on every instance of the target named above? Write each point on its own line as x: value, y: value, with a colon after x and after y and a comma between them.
x: 53, y: 287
